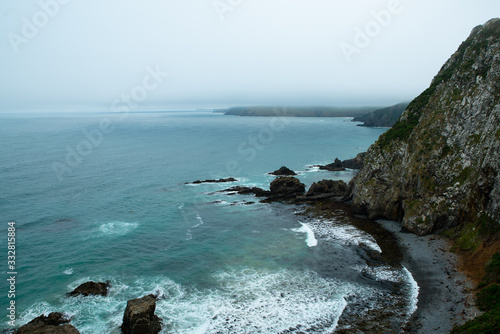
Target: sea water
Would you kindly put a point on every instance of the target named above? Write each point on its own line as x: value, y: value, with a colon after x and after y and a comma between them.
x: 107, y: 197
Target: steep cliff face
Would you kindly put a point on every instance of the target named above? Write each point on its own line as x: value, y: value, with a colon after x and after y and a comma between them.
x: 438, y: 166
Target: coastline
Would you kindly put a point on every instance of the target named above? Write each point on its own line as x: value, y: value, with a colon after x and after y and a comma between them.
x: 445, y: 296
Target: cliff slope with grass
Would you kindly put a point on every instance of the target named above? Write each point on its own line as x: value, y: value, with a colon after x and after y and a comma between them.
x: 438, y: 166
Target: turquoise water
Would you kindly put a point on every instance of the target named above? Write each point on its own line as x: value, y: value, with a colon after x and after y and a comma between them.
x: 103, y: 197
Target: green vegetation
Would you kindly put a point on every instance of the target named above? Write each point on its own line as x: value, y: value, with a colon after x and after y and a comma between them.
x: 488, y: 323
x: 488, y: 300
x: 464, y: 175
x: 497, y: 134
x: 477, y: 42
x: 470, y: 236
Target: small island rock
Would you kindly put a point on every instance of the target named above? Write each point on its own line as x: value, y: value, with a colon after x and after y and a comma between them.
x: 91, y: 289
x: 283, y: 171
x: 335, y: 188
x: 139, y: 317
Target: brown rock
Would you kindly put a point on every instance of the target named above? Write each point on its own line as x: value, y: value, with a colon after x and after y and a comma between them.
x: 91, y: 289
x: 139, y: 317
x: 55, y: 323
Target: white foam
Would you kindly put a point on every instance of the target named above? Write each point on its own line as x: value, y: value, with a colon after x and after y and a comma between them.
x: 117, y: 228
x: 68, y: 271
x: 311, y: 239
x: 344, y: 233
x: 239, y: 301
x: 414, y: 289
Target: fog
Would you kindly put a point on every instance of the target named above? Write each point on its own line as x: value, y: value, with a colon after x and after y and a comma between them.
x: 174, y: 55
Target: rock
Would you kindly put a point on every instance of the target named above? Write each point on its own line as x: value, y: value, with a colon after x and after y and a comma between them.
x: 335, y: 188
x: 230, y: 179
x: 91, y: 289
x: 139, y: 317
x: 338, y: 166
x: 283, y: 171
x: 355, y: 163
x: 287, y: 185
x: 258, y: 192
x: 55, y: 323
x: 438, y: 167
x: 334, y: 167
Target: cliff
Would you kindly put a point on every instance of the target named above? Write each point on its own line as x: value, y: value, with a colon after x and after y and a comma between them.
x: 385, y: 117
x: 438, y: 166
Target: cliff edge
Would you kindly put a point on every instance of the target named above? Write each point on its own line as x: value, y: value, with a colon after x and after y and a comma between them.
x: 438, y: 166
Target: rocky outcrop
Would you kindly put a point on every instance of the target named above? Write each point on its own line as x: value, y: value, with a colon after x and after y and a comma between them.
x: 438, y: 166
x: 283, y: 171
x: 338, y: 165
x: 329, y: 187
x: 287, y: 186
x: 54, y: 323
x: 140, y: 318
x: 385, y: 117
x: 91, y: 289
x: 258, y: 192
x: 229, y: 179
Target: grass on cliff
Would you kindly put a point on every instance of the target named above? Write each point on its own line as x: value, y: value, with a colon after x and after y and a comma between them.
x: 488, y: 300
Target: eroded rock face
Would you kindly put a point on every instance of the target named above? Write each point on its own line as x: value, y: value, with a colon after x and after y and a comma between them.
x: 91, y: 289
x: 140, y: 318
x: 287, y: 185
x: 439, y: 164
x: 54, y: 323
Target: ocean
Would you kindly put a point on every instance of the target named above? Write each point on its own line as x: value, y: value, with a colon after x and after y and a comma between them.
x: 106, y: 197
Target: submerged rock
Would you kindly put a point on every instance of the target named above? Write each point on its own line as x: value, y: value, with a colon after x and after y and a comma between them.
x: 54, y: 323
x: 91, y: 289
x: 139, y: 317
x: 283, y: 171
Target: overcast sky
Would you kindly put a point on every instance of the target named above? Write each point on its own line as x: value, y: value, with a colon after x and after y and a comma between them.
x: 95, y: 54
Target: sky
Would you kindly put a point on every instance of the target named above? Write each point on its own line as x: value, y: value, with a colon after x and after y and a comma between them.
x: 185, y: 54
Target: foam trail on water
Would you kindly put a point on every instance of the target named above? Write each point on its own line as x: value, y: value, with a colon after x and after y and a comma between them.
x: 414, y: 289
x: 311, y: 239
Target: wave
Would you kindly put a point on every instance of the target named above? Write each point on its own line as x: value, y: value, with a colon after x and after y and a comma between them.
x: 238, y: 301
x: 310, y: 239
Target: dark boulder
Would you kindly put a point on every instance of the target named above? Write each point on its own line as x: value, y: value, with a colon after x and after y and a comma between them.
x: 355, y: 163
x: 335, y: 188
x: 258, y: 192
x: 229, y: 179
x: 283, y: 171
x: 140, y: 318
x: 334, y: 166
x: 91, y: 289
x: 287, y: 185
x: 54, y: 323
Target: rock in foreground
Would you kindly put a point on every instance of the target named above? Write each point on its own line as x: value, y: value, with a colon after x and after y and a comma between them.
x: 140, y: 318
x: 54, y: 323
x: 91, y: 289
